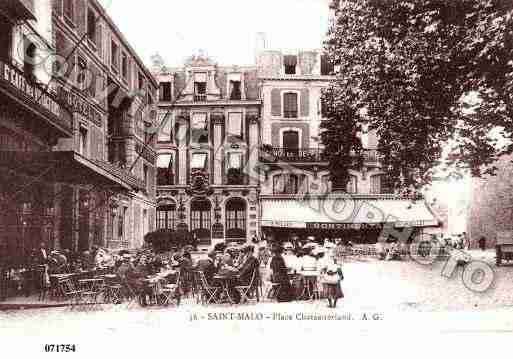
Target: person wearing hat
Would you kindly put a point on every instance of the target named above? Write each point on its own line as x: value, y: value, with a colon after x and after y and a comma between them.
x: 331, y: 281
x: 207, y: 266
x: 280, y: 275
x: 309, y: 260
x: 291, y: 260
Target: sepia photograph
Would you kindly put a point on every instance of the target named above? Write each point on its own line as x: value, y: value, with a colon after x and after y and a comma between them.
x: 293, y: 178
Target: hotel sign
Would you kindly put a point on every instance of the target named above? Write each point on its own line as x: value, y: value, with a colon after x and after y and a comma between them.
x: 335, y: 226
x: 79, y: 105
x: 17, y: 79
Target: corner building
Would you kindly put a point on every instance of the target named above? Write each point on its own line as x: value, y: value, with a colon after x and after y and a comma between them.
x: 207, y: 150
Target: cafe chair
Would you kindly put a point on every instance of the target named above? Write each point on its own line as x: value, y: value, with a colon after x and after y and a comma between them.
x: 209, y: 294
x: 90, y: 292
x: 167, y: 293
x: 251, y: 288
x: 70, y: 293
x: 272, y: 292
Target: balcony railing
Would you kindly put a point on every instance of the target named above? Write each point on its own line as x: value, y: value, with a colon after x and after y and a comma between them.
x: 307, y: 155
x: 200, y: 97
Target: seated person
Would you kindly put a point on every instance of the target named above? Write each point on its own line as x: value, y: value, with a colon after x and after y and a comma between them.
x: 249, y: 266
x: 207, y: 266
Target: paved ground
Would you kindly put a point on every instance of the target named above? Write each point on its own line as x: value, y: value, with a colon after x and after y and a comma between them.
x: 399, y: 295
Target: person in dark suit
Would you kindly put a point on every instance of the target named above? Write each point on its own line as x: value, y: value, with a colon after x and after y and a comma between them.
x: 249, y: 266
x: 280, y: 275
x: 208, y: 267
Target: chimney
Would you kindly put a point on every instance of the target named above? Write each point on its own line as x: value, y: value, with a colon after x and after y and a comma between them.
x: 261, y: 44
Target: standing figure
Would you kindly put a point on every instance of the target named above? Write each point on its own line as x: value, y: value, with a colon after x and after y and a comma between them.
x: 280, y: 275
x: 332, y: 284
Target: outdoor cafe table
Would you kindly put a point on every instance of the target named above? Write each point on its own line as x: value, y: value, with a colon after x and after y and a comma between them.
x: 226, y: 281
x: 152, y: 281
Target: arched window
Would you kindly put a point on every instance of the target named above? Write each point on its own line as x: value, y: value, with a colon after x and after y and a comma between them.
x: 236, y: 219
x: 165, y: 168
x: 166, y: 217
x: 201, y: 219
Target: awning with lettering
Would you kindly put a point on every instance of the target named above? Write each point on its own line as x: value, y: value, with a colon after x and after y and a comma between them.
x: 346, y: 212
x: 68, y: 167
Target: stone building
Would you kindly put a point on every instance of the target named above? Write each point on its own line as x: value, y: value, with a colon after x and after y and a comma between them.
x: 207, y: 147
x: 111, y: 93
x: 296, y: 191
x: 72, y: 140
x: 491, y: 205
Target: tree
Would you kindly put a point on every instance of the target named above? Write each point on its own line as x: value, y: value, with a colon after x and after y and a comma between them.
x: 429, y: 73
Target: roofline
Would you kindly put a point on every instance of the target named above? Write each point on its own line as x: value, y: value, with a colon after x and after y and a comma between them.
x: 125, y: 42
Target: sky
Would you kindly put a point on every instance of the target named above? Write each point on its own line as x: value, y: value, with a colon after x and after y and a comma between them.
x: 224, y: 29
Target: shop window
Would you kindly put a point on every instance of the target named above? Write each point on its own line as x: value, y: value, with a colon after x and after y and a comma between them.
x: 234, y: 175
x: 290, y: 62
x: 290, y: 105
x: 165, y: 91
x: 236, y: 219
x: 235, y: 90
x: 121, y: 223
x: 165, y: 168
x: 166, y: 217
x: 199, y: 130
x: 375, y: 182
x: 201, y: 219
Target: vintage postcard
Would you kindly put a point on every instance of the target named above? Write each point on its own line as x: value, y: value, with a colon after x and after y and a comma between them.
x: 292, y: 177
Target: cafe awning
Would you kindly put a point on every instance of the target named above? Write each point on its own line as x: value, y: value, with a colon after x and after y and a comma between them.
x: 68, y: 167
x: 346, y: 212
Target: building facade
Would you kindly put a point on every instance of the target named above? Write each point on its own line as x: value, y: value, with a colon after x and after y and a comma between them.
x: 297, y: 196
x: 78, y: 169
x: 207, y: 150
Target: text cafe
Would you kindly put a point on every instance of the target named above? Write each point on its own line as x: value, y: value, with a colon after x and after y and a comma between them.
x: 284, y: 218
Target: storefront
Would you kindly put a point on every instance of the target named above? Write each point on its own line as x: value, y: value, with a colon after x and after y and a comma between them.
x: 358, y: 218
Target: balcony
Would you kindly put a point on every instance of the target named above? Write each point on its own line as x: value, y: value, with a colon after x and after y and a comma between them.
x: 280, y: 154
x: 32, y: 96
x: 307, y: 155
x: 200, y: 98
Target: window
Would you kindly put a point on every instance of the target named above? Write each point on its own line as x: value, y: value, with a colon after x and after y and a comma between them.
x: 236, y: 219
x: 199, y: 161
x: 290, y: 105
x: 165, y: 123
x: 235, y: 90
x: 82, y: 73
x: 140, y: 81
x: 375, y: 184
x: 165, y: 91
x: 69, y: 10
x: 234, y: 173
x: 235, y: 125
x: 91, y: 26
x: 82, y: 141
x: 29, y: 58
x: 124, y: 66
x: 200, y: 91
x: 286, y: 184
x: 5, y: 39
x: 166, y: 217
x: 352, y: 185
x: 290, y: 63
x: 290, y: 140
x: 121, y: 223
x: 165, y: 170
x: 199, y: 129
x: 200, y: 218
x: 114, y: 57
x: 146, y: 177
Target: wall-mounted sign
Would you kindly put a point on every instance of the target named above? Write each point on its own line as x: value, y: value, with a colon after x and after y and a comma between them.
x: 79, y: 105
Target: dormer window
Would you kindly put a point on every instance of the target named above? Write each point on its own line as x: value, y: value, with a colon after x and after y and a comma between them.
x: 200, y: 86
x: 235, y: 91
x: 290, y: 63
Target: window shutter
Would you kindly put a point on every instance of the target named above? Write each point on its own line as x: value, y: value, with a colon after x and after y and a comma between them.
x: 305, y: 102
x: 275, y: 102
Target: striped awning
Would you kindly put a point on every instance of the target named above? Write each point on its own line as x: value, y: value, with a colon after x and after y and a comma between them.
x: 346, y: 212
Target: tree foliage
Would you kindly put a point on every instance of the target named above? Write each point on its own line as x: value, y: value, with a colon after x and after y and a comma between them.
x: 429, y: 73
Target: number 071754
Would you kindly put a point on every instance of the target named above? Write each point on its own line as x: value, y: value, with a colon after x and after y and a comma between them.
x: 60, y: 348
